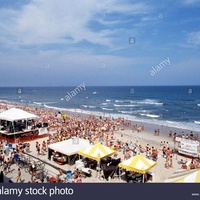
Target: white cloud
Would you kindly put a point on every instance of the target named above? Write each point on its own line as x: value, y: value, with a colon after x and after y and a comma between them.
x: 62, y: 21
x: 194, y: 38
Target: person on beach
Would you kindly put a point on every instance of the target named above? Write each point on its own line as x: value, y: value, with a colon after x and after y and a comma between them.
x: 1, y: 146
x: 170, y: 162
x: 161, y: 145
x: 192, y: 166
x: 127, y: 154
x: 184, y: 166
x: 168, y: 152
x: 38, y: 149
x: 148, y: 153
x: 79, y: 179
x: 44, y: 147
x: 167, y: 163
x: 9, y: 165
x: 136, y: 127
x: 27, y: 149
x: 142, y: 127
x: 154, y: 154
x: 2, y: 156
x: 164, y: 152
x: 16, y: 157
x: 174, y: 137
x: 134, y: 150
x: 122, y: 133
x: 191, y: 135
x: 32, y: 177
x: 19, y: 174
x: 5, y: 167
x: 170, y: 133
x: 74, y: 178
x: 36, y: 145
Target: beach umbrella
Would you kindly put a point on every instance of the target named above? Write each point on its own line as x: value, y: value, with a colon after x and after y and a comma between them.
x: 138, y: 164
x: 185, y: 176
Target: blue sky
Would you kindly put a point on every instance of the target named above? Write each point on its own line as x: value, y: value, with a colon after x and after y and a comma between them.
x: 107, y: 42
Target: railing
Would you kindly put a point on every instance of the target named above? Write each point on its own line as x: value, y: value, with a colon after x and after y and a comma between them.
x: 47, y: 173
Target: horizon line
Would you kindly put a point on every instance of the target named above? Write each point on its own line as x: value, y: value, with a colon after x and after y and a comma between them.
x: 103, y: 86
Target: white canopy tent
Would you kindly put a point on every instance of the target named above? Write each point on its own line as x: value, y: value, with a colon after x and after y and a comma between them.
x: 70, y: 147
x: 15, y: 114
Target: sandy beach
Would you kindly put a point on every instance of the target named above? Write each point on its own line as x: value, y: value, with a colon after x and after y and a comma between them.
x: 125, y: 134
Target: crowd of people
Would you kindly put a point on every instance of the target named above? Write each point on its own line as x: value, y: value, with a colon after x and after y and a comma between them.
x: 106, y: 130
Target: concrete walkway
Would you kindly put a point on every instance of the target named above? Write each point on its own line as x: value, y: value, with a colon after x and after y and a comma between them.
x: 50, y: 168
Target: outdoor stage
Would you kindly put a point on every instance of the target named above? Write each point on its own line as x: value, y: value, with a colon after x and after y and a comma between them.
x: 22, y: 136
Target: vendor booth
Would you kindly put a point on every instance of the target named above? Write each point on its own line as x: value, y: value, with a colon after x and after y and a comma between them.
x: 67, y: 150
x: 138, y: 164
x: 97, y: 152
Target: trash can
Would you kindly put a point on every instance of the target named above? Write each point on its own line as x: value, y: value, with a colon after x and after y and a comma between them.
x: 69, y: 174
x: 10, y: 146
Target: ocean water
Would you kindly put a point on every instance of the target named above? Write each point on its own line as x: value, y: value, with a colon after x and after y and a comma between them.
x: 175, y: 106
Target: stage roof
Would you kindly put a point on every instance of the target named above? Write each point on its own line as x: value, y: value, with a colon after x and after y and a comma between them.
x: 15, y: 114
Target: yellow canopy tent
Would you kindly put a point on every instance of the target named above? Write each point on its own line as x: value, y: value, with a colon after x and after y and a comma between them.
x: 138, y: 164
x: 97, y: 152
x: 185, y: 176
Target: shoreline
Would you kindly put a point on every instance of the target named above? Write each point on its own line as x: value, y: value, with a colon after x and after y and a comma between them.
x: 149, y: 127
x: 170, y: 125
